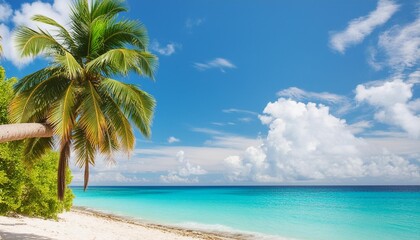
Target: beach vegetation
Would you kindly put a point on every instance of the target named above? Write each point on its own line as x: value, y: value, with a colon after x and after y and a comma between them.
x: 78, y: 96
x: 27, y: 188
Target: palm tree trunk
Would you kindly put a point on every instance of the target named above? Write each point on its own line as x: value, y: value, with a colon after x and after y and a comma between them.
x: 19, y: 131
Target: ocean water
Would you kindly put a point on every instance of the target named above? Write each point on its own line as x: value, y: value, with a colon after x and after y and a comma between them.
x: 313, y: 213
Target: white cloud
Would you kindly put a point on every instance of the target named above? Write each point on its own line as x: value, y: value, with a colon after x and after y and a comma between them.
x: 414, y: 77
x: 167, y: 50
x: 59, y: 11
x: 186, y: 172
x: 245, y: 119
x: 5, y: 12
x: 106, y: 178
x: 231, y: 142
x: 400, y: 46
x: 299, y: 94
x: 398, y: 145
x: 219, y: 63
x: 372, y: 59
x: 340, y: 103
x: 9, y: 51
x: 146, y: 165
x: 235, y: 110
x: 361, y: 27
x: 306, y: 143
x: 223, y: 124
x: 392, y: 100
x: 191, y: 23
x: 173, y: 139
x: 359, y: 127
x: 208, y: 131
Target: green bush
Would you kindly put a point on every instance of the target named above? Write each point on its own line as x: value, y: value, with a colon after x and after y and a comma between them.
x: 12, y: 172
x: 29, y: 189
x: 11, y: 169
x: 39, y: 196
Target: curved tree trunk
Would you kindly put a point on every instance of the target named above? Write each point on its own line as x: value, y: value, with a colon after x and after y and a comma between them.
x: 19, y: 131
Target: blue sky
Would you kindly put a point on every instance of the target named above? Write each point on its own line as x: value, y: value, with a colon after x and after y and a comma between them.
x: 239, y: 86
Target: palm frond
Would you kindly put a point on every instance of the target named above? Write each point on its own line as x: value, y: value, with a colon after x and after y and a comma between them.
x: 118, y: 34
x: 96, y: 37
x: 28, y: 105
x: 70, y: 67
x: 85, y: 152
x: 32, y: 43
x: 110, y: 144
x: 119, y: 121
x: 136, y: 104
x: 36, y: 147
x: 34, y: 79
x: 63, y: 113
x: 79, y: 24
x: 122, y: 61
x: 92, y: 119
x: 62, y: 166
x: 63, y: 33
x: 108, y: 8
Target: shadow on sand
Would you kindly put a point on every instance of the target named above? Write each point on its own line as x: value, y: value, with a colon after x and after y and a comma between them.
x: 21, y: 236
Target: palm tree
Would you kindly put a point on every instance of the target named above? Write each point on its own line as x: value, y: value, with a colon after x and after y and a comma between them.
x: 76, y: 100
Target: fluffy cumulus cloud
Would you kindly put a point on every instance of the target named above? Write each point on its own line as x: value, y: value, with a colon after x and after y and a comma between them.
x: 5, y: 12
x: 306, y: 143
x: 361, y: 27
x: 186, y: 172
x: 219, y: 63
x: 393, y: 103
x: 58, y: 10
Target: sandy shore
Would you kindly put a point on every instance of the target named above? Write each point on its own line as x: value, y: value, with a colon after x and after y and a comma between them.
x: 85, y: 224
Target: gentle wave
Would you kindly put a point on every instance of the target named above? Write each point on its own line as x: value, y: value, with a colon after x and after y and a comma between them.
x: 219, y: 228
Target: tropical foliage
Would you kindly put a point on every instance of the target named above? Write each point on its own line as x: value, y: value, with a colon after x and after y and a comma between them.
x: 78, y: 94
x: 29, y: 189
x: 39, y: 196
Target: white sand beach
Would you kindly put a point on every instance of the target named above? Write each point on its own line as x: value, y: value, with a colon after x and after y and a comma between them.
x: 83, y: 224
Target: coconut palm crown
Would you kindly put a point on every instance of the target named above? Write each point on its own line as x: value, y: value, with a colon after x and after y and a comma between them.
x: 77, y: 95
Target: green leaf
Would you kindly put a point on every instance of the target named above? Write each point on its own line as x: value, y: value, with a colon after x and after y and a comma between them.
x: 35, y: 148
x: 135, y: 103
x: 92, y: 119
x: 119, y: 122
x: 85, y: 152
x: 30, y: 104
x: 63, y: 113
x: 71, y: 68
x: 63, y: 33
x: 122, y: 61
x: 32, y: 43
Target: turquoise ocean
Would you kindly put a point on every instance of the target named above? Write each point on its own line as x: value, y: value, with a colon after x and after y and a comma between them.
x: 286, y: 212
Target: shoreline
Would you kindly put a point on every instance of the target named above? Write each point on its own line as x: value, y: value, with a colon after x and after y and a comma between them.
x: 198, y: 234
x: 86, y: 223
